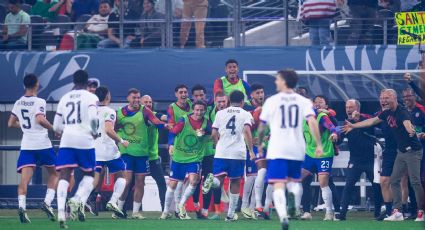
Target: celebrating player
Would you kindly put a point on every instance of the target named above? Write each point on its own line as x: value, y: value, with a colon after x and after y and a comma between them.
x: 29, y: 114
x: 230, y: 128
x: 186, y: 148
x: 107, y: 153
x: 285, y: 113
x: 76, y: 119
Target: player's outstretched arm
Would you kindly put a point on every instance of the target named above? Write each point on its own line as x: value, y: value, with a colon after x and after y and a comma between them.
x: 109, y: 129
x: 58, y: 123
x: 41, y: 119
x: 248, y: 140
x: 363, y: 124
x: 13, y: 122
x: 314, y: 130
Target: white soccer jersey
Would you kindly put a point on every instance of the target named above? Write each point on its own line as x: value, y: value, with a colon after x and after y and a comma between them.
x: 285, y: 114
x: 74, y: 108
x: 230, y: 124
x: 26, y: 109
x: 105, y: 147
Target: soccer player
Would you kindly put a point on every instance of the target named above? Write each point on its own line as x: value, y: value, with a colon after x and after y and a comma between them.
x: 29, y: 114
x: 76, y: 120
x: 285, y: 113
x: 186, y: 148
x: 107, y: 153
x: 155, y: 167
x: 133, y: 122
x: 321, y: 165
x: 232, y: 134
x: 231, y: 81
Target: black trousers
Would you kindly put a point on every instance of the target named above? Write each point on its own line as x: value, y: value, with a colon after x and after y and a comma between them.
x: 206, y: 168
x: 157, y: 174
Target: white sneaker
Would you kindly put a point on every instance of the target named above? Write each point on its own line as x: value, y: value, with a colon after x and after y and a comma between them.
x: 247, y: 213
x: 73, y: 207
x: 396, y: 216
x: 183, y: 214
x: 306, y: 216
x: 166, y: 216
x: 329, y: 216
x: 137, y: 216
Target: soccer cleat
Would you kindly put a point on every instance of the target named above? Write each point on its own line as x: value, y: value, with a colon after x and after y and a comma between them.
x: 285, y: 225
x: 114, y: 208
x: 206, y: 186
x: 137, y: 216
x: 49, y: 211
x: 62, y: 224
x: 306, y: 216
x: 183, y: 214
x: 201, y: 216
x: 420, y: 216
x: 292, y: 210
x: 329, y: 216
x: 337, y: 216
x: 23, y: 217
x: 254, y: 214
x: 73, y: 209
x: 81, y: 213
x: 232, y: 219
x: 395, y: 216
x: 176, y: 214
x: 166, y: 216
x: 214, y: 217
x: 91, y: 208
x: 247, y: 213
x: 382, y: 216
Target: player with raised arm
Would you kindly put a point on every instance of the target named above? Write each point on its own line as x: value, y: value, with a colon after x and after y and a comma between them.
x: 107, y: 153
x: 285, y: 113
x: 29, y: 114
x: 77, y: 121
x: 232, y: 135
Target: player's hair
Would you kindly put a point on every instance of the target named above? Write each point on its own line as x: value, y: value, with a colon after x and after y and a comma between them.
x: 30, y: 80
x: 289, y: 76
x: 357, y: 102
x: 181, y: 86
x: 256, y: 86
x: 93, y: 83
x: 323, y: 97
x: 236, y: 97
x: 152, y: 2
x: 391, y: 91
x: 133, y: 91
x: 199, y: 102
x: 15, y: 2
x: 101, y: 92
x: 81, y: 77
x: 231, y: 61
x: 409, y: 90
x: 198, y: 87
x: 220, y: 94
x: 105, y: 2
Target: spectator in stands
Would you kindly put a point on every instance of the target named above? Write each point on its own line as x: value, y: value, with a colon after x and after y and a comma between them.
x: 317, y: 14
x: 96, y: 27
x: 150, y: 32
x: 412, y: 84
x: 389, y: 5
x: 113, y: 40
x: 364, y: 14
x: 176, y: 7
x: 80, y: 7
x: 15, y: 30
x: 231, y: 81
x: 42, y: 8
x: 197, y: 9
x: 62, y: 7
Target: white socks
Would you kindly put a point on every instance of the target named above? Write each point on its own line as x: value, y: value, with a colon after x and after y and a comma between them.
x: 327, y: 198
x: 247, y: 190
x: 252, y: 201
x: 118, y: 190
x: 269, y: 198
x: 121, y: 204
x: 187, y: 193
x: 259, y: 187
x: 22, y: 201
x: 178, y: 194
x: 280, y: 203
x: 233, y: 203
x: 84, y: 189
x: 297, y: 189
x: 136, y: 207
x: 50, y: 195
x: 169, y: 195
x: 216, y: 183
x: 61, y: 196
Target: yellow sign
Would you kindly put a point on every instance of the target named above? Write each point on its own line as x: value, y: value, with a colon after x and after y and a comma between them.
x: 411, y: 27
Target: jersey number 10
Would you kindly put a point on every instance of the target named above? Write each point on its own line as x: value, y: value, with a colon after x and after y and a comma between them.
x: 289, y: 116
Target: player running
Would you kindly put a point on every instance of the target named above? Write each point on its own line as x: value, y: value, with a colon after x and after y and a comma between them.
x: 186, y: 148
x: 29, y: 114
x: 232, y: 134
x: 107, y: 153
x: 76, y: 119
x: 285, y: 113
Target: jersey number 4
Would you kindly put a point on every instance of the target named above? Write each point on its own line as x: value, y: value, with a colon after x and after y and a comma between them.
x: 289, y: 116
x: 231, y: 124
x: 74, y: 115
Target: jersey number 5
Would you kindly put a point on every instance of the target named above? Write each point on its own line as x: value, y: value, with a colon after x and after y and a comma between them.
x: 24, y: 113
x: 289, y: 116
x: 231, y: 124
x: 72, y: 106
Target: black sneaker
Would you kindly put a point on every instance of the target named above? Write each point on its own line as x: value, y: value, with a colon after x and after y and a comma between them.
x: 382, y: 216
x: 62, y: 224
x: 285, y: 225
x: 48, y: 210
x: 81, y: 214
x: 23, y: 217
x: 200, y: 216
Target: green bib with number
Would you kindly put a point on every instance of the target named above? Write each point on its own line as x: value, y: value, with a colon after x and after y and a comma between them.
x: 135, y: 131
x: 328, y: 148
x: 188, y: 147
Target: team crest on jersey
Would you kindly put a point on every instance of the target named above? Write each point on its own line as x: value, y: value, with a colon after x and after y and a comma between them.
x: 42, y: 109
x: 112, y: 117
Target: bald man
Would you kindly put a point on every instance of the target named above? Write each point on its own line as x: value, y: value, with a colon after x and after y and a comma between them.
x: 155, y: 166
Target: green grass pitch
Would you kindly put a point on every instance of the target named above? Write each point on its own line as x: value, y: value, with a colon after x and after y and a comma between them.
x: 358, y: 220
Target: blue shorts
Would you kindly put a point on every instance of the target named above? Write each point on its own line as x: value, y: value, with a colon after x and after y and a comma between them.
x: 388, y: 159
x: 280, y: 170
x: 73, y: 158
x: 114, y: 166
x: 136, y: 164
x: 234, y: 169
x: 318, y: 165
x: 251, y: 167
x: 32, y: 158
x: 178, y: 171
